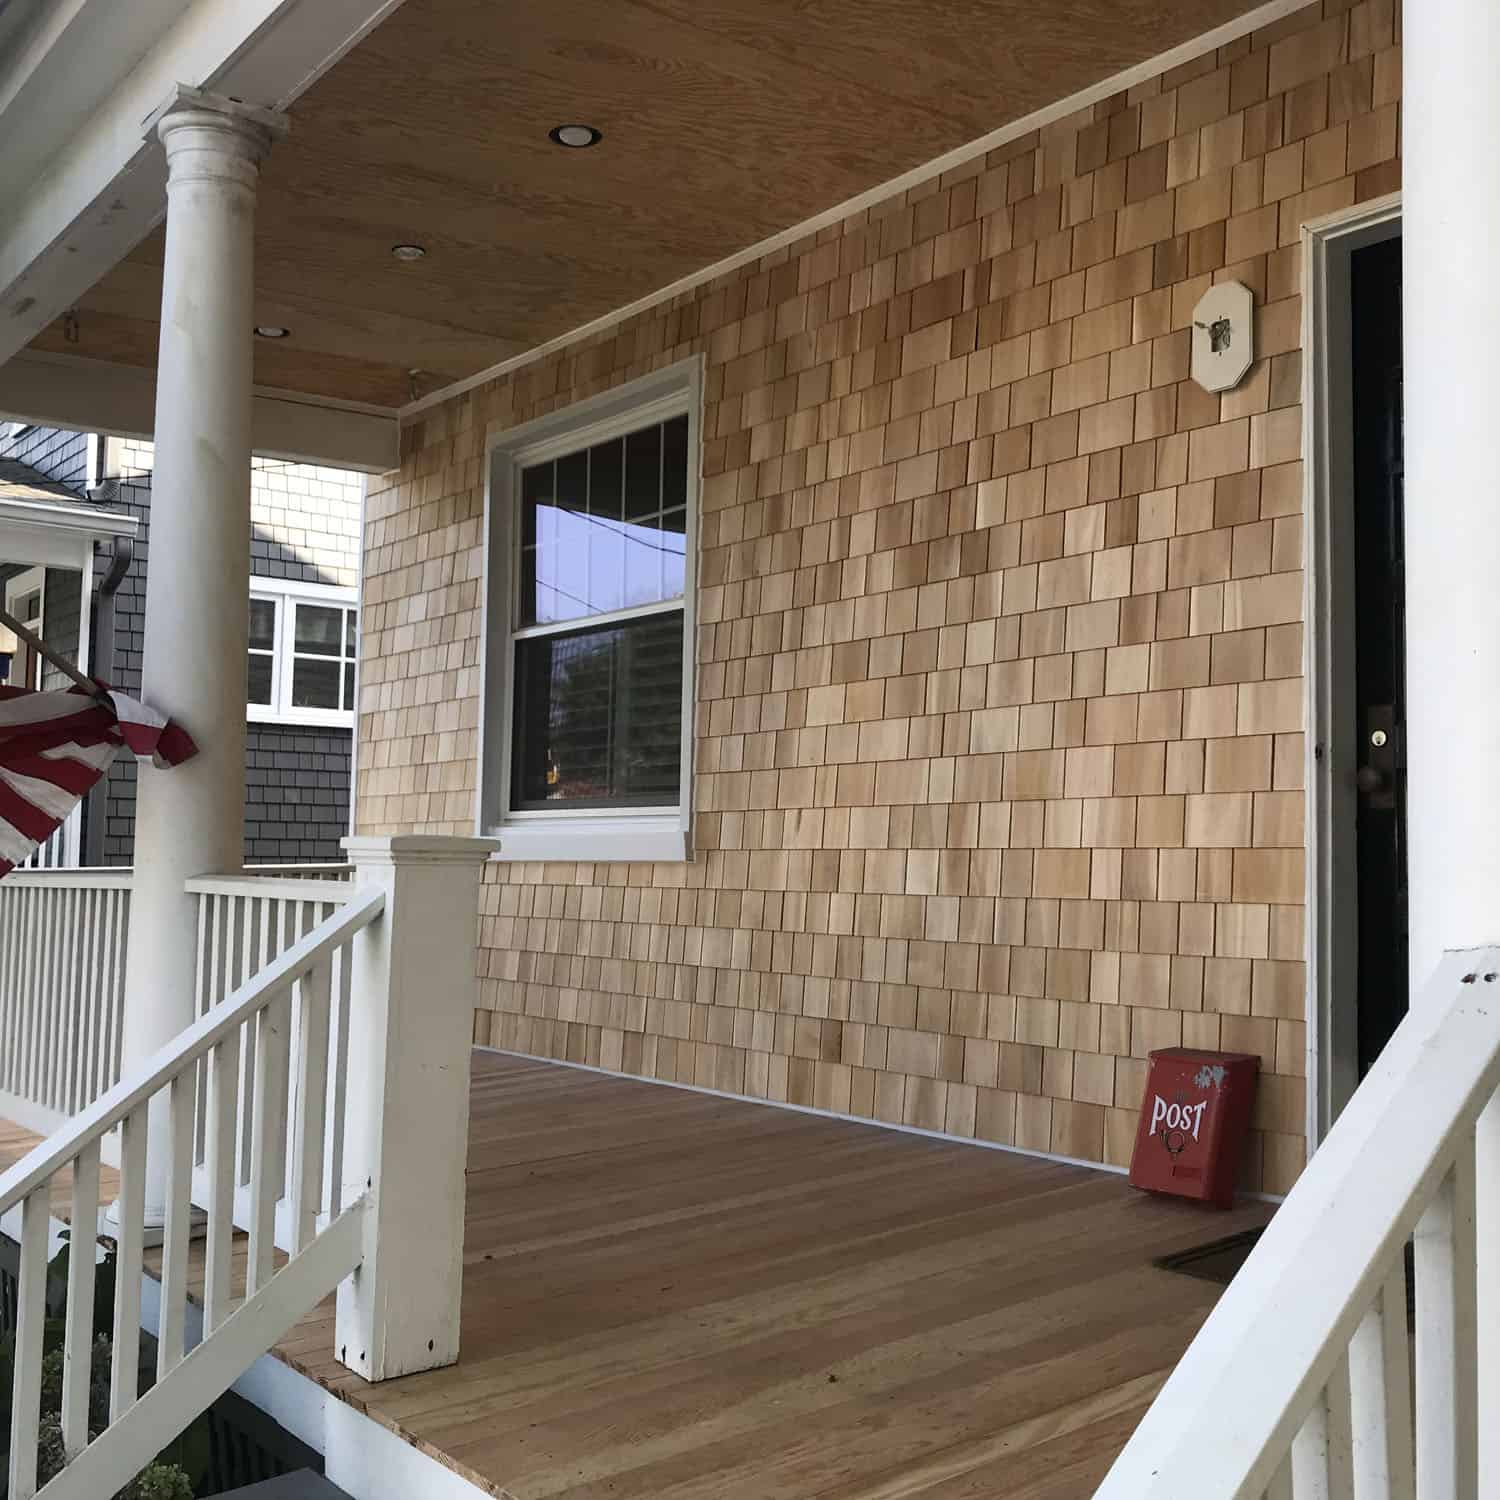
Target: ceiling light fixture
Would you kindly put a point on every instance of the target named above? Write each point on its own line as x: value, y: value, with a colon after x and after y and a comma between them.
x: 575, y: 137
x: 408, y: 252
x: 271, y: 331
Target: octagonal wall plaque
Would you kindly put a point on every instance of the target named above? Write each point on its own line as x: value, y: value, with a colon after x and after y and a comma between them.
x: 1223, y: 336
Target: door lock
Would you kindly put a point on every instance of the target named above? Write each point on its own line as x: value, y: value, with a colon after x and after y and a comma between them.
x: 1376, y: 778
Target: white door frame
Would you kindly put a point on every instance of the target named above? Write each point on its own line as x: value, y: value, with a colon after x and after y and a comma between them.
x: 1331, y: 743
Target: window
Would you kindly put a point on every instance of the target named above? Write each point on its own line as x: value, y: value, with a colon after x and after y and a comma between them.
x: 588, y: 631
x: 303, y: 651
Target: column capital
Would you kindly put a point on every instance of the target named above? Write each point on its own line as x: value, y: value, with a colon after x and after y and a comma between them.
x: 214, y: 125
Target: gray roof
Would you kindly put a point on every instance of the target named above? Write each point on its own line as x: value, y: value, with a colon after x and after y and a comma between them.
x: 21, y: 482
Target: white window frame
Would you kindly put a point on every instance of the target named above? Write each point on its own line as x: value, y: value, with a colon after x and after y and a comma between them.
x: 563, y: 833
x: 286, y: 594
x: 16, y: 588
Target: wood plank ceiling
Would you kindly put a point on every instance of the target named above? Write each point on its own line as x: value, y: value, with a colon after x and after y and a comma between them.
x: 724, y: 121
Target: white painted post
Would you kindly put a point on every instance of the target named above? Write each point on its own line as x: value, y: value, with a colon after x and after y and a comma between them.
x: 190, y: 821
x: 411, y: 1018
x: 1451, y: 298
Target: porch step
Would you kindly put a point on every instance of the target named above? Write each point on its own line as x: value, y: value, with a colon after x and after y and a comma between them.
x: 302, y: 1485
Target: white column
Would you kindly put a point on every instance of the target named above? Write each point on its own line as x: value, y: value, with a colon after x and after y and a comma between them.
x: 1450, y: 117
x: 190, y: 820
x: 411, y: 1028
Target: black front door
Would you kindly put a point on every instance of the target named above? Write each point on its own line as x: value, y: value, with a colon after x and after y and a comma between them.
x: 1380, y: 645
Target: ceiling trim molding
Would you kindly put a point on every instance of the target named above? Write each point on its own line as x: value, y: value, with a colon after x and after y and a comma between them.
x: 93, y: 395
x: 1221, y: 36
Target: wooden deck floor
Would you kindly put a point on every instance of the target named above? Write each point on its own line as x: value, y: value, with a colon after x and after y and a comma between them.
x: 673, y: 1296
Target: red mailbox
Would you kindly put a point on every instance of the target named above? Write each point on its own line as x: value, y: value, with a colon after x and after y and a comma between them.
x: 1193, y: 1122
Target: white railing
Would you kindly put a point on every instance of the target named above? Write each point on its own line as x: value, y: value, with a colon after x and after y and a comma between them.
x: 326, y: 1246
x: 62, y: 988
x: 62, y: 968
x: 245, y: 922
x: 1305, y: 1381
x: 362, y: 1186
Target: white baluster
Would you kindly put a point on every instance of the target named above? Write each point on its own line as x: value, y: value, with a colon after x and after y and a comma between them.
x: 171, y: 1340
x: 338, y: 1068
x: 219, y: 1149
x: 1446, y: 1432
x: 309, y: 1117
x: 125, y: 1368
x: 1380, y: 1393
x: 78, y: 1336
x: 1340, y: 1433
x: 1310, y: 1454
x: 1487, y: 1293
x: 268, y: 1123
x: 26, y: 1390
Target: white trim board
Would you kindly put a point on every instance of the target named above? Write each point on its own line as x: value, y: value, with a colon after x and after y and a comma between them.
x: 1050, y: 114
x: 660, y: 834
x: 1328, y: 647
x: 93, y: 395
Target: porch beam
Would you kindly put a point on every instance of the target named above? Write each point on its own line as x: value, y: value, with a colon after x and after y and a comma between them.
x: 95, y: 184
x: 91, y: 395
x: 1451, y: 381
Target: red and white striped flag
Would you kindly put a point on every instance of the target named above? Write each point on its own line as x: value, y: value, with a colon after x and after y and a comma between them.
x: 55, y: 746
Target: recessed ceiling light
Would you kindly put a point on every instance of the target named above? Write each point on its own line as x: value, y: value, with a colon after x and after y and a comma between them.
x: 408, y: 252
x: 575, y: 136
x: 271, y: 331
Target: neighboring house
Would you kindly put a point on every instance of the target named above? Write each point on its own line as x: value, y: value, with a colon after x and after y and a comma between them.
x: 303, y: 607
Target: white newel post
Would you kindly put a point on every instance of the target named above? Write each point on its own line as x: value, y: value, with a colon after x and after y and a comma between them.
x: 190, y: 820
x: 1450, y: 117
x: 411, y: 1020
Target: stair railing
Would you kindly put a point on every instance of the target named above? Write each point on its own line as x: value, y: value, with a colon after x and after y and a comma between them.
x: 371, y: 1174
x: 255, y: 1018
x: 1306, y: 1380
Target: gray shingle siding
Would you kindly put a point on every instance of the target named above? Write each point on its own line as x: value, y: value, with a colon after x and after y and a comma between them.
x: 305, y: 526
x: 61, y: 456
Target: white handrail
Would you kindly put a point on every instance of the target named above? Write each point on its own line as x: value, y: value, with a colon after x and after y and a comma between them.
x: 35, y: 1168
x: 1298, y: 1383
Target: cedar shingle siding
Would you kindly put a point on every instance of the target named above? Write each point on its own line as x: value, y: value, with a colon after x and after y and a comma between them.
x: 998, y: 746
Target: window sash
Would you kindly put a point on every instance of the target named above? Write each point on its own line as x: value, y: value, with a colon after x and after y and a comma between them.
x: 514, y: 805
x: 619, y: 744
x: 285, y: 656
x: 604, y: 830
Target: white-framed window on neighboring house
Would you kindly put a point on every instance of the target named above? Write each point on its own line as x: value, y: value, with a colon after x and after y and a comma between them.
x: 303, y: 653
x: 25, y: 597
x: 592, y: 527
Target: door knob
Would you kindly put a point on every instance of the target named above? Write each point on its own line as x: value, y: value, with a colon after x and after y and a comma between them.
x: 1370, y: 779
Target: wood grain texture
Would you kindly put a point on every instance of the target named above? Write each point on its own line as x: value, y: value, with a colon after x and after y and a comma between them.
x: 723, y: 123
x: 675, y: 1296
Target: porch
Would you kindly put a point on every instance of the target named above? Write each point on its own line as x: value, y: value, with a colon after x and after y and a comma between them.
x: 670, y: 1294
